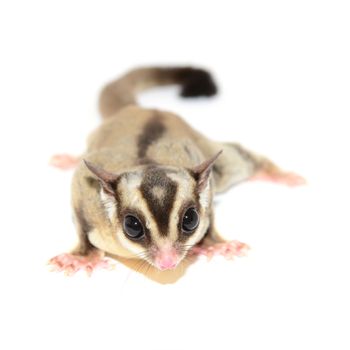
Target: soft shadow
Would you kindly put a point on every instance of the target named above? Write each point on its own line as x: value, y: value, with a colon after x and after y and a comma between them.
x: 150, y: 272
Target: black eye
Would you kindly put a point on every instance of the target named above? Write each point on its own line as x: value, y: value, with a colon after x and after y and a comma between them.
x: 190, y: 220
x: 133, y: 227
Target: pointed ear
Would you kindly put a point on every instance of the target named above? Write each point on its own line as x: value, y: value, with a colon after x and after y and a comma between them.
x: 107, y: 180
x: 203, y: 170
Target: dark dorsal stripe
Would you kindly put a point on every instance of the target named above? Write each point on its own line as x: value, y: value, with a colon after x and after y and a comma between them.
x: 152, y: 131
x: 160, y: 207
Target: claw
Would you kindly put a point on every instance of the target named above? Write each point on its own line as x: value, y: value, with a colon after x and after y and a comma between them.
x: 89, y: 270
x: 69, y: 270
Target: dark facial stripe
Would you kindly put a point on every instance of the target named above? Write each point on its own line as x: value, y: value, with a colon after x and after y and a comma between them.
x: 160, y: 207
x: 183, y: 237
x: 122, y: 211
x: 153, y: 130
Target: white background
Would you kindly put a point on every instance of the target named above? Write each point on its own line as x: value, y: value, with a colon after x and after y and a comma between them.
x: 284, y: 78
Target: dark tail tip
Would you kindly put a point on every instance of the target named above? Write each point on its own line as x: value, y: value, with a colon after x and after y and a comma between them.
x: 197, y: 82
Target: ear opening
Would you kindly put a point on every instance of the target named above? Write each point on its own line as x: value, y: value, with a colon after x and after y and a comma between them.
x: 203, y: 171
x: 106, y: 179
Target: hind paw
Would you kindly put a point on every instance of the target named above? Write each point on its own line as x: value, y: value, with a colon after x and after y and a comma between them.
x: 64, y: 161
x: 284, y: 178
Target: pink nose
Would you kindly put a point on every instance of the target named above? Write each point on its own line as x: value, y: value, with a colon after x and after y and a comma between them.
x: 166, y: 263
x: 166, y: 258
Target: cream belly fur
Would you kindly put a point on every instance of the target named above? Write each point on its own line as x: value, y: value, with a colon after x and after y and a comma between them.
x: 144, y: 190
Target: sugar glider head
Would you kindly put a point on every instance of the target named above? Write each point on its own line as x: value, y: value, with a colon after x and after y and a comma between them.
x: 158, y: 212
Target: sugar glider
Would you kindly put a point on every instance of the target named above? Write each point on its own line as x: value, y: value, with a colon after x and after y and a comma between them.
x: 144, y: 187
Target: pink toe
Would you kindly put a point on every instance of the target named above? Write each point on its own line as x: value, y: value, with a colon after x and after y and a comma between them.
x: 228, y: 249
x: 70, y: 263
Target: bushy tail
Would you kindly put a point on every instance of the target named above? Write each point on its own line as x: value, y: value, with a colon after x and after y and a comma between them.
x: 122, y: 92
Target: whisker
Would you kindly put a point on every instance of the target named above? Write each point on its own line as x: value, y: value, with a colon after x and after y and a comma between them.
x: 137, y: 268
x: 131, y: 271
x: 148, y: 268
x: 144, y: 263
x: 143, y: 254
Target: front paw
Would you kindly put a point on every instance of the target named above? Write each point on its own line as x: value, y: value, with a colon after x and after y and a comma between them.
x: 71, y: 263
x: 229, y: 250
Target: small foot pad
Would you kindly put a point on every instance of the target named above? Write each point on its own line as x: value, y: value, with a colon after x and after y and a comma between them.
x: 285, y: 178
x: 70, y: 263
x: 64, y: 161
x: 229, y: 250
